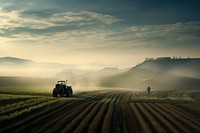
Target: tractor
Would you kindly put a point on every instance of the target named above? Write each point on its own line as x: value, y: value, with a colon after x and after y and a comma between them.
x: 61, y: 89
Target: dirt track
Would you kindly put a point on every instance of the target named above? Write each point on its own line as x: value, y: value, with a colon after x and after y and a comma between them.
x: 108, y: 111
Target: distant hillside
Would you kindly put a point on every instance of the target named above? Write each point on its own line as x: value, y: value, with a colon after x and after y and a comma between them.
x: 8, y: 81
x: 187, y: 67
x: 12, y: 66
x: 161, y: 73
x: 14, y: 60
x: 23, y: 62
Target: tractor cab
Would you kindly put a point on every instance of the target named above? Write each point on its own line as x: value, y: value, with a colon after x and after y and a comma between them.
x: 61, y: 89
x: 62, y: 82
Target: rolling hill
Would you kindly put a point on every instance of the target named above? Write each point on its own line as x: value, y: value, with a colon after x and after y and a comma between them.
x: 13, y: 81
x: 160, y: 73
x: 12, y: 66
x: 14, y: 60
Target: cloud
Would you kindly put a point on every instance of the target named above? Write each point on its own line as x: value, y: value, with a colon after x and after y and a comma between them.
x: 78, y: 30
x: 13, y: 19
x: 81, y: 31
x: 48, y: 22
x: 170, y: 35
x: 45, y: 13
x: 74, y: 30
x: 85, y: 16
x: 167, y: 30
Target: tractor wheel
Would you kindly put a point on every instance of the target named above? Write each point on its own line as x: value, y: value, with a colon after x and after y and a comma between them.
x: 68, y: 93
x: 71, y: 91
x: 55, y: 94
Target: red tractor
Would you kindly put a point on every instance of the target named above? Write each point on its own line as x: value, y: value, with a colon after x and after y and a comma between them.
x: 61, y: 89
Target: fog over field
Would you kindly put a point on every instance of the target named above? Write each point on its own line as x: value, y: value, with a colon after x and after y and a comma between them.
x: 100, y: 43
x: 99, y: 66
x: 164, y: 73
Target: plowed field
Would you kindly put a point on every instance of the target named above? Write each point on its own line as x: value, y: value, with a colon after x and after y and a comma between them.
x: 98, y: 111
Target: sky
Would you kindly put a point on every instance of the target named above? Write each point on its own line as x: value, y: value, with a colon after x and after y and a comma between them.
x: 119, y: 33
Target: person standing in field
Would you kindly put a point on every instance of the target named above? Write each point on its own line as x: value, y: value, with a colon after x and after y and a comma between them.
x: 148, y: 90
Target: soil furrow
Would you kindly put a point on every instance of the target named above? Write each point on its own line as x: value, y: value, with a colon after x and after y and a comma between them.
x: 144, y: 127
x: 96, y: 124
x: 129, y: 119
x: 150, y: 119
x: 117, y: 115
x: 84, y: 125
x: 26, y: 120
x: 108, y: 120
x: 47, y: 117
x: 77, y: 120
x: 172, y: 118
x: 187, y: 122
x: 156, y: 114
x: 185, y: 115
x: 58, y: 124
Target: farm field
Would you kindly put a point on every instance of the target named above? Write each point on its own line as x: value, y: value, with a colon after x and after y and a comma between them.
x: 103, y: 111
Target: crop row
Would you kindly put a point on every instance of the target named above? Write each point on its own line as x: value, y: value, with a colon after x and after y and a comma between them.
x: 164, y: 118
x: 11, y: 108
x: 16, y: 109
x: 109, y: 111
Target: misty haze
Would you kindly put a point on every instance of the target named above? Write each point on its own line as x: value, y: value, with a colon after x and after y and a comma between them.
x: 99, y: 66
